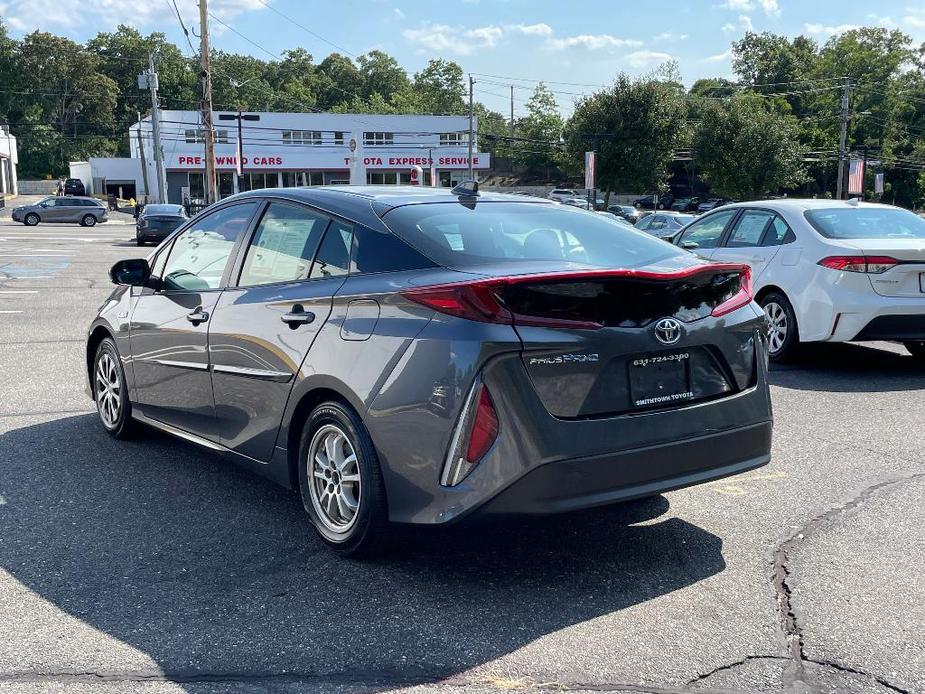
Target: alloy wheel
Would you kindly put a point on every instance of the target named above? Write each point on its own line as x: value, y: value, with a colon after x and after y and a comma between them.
x: 108, y: 390
x: 334, y: 478
x: 777, y: 319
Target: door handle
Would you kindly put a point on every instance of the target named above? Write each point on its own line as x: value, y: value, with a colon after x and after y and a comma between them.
x: 298, y: 316
x: 197, y: 316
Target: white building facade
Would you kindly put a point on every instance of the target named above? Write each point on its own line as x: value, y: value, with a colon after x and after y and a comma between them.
x: 8, y: 161
x: 297, y: 149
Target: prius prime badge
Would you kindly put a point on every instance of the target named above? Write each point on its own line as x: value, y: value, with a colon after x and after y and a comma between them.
x: 668, y: 331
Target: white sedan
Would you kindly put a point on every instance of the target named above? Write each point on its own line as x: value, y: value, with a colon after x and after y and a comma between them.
x: 824, y: 270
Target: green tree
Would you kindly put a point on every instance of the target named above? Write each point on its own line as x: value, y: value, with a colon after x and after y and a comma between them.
x: 382, y: 75
x: 745, y: 149
x: 539, y: 131
x: 441, y: 89
x: 634, y: 127
x: 339, y: 80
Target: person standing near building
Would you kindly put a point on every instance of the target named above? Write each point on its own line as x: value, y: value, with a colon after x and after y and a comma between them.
x: 60, y: 188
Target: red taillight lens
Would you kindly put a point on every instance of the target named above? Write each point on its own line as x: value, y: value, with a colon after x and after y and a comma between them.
x: 870, y: 264
x: 740, y: 298
x: 471, y: 300
x: 484, y: 427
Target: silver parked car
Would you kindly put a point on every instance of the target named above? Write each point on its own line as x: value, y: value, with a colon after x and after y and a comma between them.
x: 417, y: 355
x: 62, y: 209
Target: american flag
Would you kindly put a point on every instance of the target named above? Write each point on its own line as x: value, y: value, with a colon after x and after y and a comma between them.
x: 856, y: 177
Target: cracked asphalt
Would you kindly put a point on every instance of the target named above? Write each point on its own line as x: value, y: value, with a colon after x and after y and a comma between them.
x: 152, y: 566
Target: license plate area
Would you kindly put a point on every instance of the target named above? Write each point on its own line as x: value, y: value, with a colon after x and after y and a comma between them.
x: 660, y: 379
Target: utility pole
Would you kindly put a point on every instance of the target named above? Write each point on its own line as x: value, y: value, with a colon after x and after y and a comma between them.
x: 471, y: 128
x: 144, y: 164
x: 240, y: 117
x: 511, y: 148
x: 843, y: 139
x: 150, y: 80
x: 211, y: 180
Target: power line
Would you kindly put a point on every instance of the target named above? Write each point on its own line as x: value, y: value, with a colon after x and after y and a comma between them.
x: 306, y: 29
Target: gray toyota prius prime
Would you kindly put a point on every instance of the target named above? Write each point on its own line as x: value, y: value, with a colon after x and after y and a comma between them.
x: 405, y: 355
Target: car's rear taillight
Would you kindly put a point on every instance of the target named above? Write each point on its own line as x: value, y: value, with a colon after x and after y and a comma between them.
x: 475, y: 434
x: 741, y: 298
x: 592, y: 299
x: 869, y: 264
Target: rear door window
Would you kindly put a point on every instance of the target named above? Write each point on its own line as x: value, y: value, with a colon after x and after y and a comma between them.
x: 749, y: 229
x: 283, y: 245
x: 382, y: 251
x: 778, y: 233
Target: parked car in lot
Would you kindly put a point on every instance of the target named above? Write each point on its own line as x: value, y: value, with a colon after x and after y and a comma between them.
x: 686, y: 204
x: 615, y: 217
x: 581, y: 203
x: 712, y: 204
x: 824, y: 270
x: 156, y: 222
x: 74, y: 186
x: 417, y: 355
x: 59, y: 209
x: 664, y: 224
x: 648, y: 202
x: 564, y: 194
x: 628, y: 212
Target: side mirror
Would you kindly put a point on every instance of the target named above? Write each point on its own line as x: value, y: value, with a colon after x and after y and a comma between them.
x: 43, y: 204
x: 689, y: 245
x: 134, y: 272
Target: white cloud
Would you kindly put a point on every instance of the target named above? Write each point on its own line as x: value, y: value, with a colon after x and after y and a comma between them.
x: 398, y: 13
x: 532, y: 29
x: 104, y: 15
x: 720, y: 58
x: 442, y: 37
x: 728, y: 28
x: 644, y: 58
x: 592, y: 42
x: 669, y: 36
x: 915, y: 19
x: 823, y: 30
x: 770, y: 7
x: 745, y: 24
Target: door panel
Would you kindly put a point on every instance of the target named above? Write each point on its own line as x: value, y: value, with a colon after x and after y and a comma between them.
x: 171, y: 360
x: 255, y: 357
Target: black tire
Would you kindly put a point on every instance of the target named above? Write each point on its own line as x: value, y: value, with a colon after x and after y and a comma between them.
x: 88, y: 221
x: 781, y: 315
x: 120, y: 426
x: 369, y: 528
x: 31, y: 219
x: 916, y: 348
x: 139, y: 242
x: 660, y: 206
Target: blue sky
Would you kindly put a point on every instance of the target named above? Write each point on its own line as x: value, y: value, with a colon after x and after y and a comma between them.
x: 561, y: 42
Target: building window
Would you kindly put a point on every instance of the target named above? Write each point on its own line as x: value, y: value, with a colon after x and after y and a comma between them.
x: 302, y: 137
x: 198, y: 136
x: 378, y: 138
x: 453, y: 139
x: 338, y: 137
x: 292, y: 179
x: 382, y: 177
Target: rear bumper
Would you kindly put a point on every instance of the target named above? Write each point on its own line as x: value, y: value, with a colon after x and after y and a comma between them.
x: 894, y: 327
x: 571, y: 485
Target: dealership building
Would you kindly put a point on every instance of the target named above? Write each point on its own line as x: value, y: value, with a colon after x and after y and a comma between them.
x: 286, y: 149
x: 8, y: 160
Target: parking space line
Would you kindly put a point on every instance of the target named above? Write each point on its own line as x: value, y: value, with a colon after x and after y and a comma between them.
x: 10, y: 311
x: 19, y: 291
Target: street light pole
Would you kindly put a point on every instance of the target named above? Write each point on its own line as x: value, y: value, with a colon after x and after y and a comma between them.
x: 471, y: 129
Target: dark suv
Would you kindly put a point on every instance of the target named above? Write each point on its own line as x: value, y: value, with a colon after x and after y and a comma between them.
x: 647, y: 202
x: 74, y: 186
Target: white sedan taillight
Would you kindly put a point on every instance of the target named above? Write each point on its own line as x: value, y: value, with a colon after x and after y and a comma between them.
x: 869, y: 264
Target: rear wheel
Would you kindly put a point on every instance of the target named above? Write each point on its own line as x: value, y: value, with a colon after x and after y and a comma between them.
x: 31, y: 219
x: 340, y: 481
x: 916, y: 348
x: 783, y: 334
x: 88, y: 220
x: 110, y: 391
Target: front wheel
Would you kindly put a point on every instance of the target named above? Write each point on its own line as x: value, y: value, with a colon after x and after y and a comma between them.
x: 783, y: 334
x: 110, y: 391
x: 916, y: 348
x: 340, y: 481
x: 31, y: 219
x: 88, y: 220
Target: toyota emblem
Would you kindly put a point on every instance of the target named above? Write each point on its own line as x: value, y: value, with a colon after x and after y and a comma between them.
x: 668, y: 331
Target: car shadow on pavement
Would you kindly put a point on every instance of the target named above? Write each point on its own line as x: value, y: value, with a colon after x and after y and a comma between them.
x: 214, y: 572
x: 850, y: 368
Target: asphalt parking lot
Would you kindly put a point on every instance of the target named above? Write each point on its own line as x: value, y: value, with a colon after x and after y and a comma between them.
x: 152, y: 566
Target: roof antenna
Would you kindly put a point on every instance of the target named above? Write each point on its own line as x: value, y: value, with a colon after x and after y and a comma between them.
x: 466, y: 189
